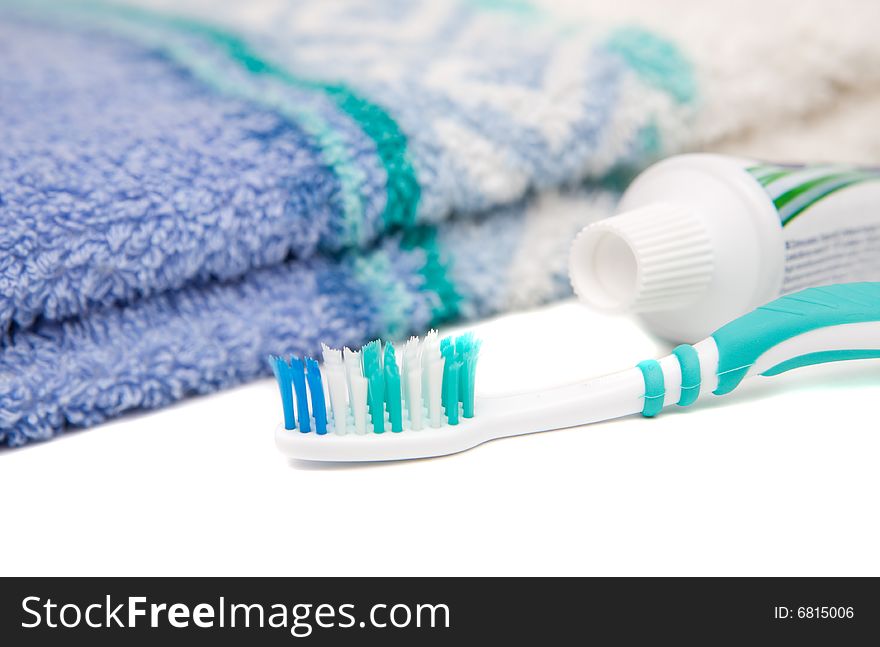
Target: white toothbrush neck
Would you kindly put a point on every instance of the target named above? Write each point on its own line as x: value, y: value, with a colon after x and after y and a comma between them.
x: 603, y: 398
x: 612, y: 396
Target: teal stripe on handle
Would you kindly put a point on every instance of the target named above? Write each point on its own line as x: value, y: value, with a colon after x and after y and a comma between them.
x: 655, y: 388
x: 691, y: 376
x: 820, y: 357
x: 742, y: 341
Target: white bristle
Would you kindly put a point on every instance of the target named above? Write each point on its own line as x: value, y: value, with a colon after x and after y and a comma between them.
x: 352, y: 361
x: 412, y: 382
x: 406, y: 359
x: 337, y: 386
x: 435, y: 383
x: 331, y: 355
x: 359, y: 403
x: 430, y: 351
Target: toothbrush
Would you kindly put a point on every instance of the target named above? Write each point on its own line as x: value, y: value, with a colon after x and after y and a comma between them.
x: 424, y: 405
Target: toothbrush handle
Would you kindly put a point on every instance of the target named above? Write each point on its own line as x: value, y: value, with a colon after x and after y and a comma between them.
x: 813, y: 326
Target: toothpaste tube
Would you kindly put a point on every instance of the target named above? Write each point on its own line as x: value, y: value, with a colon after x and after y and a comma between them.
x: 701, y: 239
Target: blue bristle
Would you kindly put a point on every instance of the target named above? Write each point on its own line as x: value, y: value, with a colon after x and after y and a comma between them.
x: 316, y: 391
x: 282, y: 376
x: 298, y: 376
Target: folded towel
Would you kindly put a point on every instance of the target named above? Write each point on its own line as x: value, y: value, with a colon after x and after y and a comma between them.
x: 186, y: 187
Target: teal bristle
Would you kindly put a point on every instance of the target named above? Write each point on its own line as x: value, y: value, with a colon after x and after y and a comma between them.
x: 452, y: 373
x: 447, y: 350
x: 392, y: 389
x: 388, y: 386
x: 463, y: 345
x: 469, y: 379
x: 371, y: 356
x: 376, y: 398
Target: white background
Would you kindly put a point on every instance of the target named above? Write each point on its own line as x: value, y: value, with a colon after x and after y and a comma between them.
x: 779, y: 478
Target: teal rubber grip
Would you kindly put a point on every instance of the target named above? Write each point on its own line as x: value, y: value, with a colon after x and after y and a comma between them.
x: 742, y: 341
x: 655, y: 387
x: 691, y: 375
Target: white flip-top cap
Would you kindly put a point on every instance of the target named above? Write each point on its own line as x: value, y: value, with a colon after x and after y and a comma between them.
x: 651, y: 259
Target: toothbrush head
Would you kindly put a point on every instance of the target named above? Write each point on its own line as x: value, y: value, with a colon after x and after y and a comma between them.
x: 376, y: 403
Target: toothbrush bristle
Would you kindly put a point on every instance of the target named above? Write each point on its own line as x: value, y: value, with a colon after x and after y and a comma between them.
x: 426, y: 383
